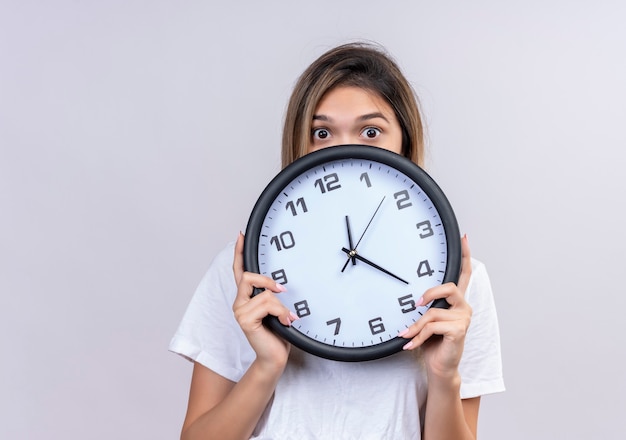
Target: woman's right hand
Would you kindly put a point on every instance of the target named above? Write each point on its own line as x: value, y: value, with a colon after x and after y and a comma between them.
x: 271, y: 350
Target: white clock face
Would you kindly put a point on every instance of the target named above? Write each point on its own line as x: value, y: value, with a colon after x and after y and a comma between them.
x: 356, y: 243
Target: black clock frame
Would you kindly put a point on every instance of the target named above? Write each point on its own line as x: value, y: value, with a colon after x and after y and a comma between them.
x: 331, y: 154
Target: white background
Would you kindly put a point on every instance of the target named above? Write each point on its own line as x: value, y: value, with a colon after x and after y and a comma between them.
x: 136, y: 135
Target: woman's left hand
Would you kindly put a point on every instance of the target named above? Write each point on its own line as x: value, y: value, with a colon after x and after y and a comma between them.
x: 441, y: 332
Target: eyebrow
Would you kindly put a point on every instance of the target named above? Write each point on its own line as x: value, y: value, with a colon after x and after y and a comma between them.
x: 362, y: 118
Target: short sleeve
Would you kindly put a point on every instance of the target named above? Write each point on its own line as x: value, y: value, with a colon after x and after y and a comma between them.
x: 481, y: 363
x: 208, y: 332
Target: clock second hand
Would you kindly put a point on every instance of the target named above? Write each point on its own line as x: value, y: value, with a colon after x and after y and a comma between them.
x: 350, y: 257
x: 353, y: 254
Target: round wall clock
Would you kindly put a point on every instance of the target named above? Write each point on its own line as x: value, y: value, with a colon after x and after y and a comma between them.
x: 356, y: 234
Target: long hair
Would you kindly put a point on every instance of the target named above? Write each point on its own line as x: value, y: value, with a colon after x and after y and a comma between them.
x: 360, y: 65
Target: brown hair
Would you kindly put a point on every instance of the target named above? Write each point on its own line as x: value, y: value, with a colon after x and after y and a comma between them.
x: 361, y: 65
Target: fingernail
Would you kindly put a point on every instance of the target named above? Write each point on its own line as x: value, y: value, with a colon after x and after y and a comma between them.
x: 408, y: 346
x: 403, y: 332
x: 280, y: 287
x: 293, y: 316
x: 420, y: 301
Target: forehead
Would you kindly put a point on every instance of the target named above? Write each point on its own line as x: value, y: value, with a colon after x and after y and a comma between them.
x: 352, y: 99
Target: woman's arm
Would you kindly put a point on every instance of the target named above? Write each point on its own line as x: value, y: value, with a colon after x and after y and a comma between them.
x: 447, y: 415
x: 441, y: 334
x: 220, y: 408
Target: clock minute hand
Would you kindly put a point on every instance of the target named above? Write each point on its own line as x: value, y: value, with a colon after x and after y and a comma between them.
x: 353, y: 254
x: 370, y: 222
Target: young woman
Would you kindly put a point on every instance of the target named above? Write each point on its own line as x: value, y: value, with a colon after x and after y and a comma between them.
x: 249, y: 383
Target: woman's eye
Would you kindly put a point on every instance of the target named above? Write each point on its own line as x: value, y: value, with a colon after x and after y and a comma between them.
x: 320, y: 133
x: 371, y: 132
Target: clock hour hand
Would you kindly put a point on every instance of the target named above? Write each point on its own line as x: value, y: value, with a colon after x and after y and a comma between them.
x: 350, y: 243
x: 354, y: 254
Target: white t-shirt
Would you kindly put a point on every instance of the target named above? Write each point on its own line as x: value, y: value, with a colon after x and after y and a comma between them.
x: 318, y: 398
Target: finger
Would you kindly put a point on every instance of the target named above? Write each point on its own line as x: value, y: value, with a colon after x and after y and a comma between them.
x: 436, y: 315
x: 466, y: 265
x: 238, y: 259
x: 449, y: 291
x: 249, y: 281
x: 453, y: 330
x: 251, y: 313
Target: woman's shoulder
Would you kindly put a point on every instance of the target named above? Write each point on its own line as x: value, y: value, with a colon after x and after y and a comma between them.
x: 478, y: 265
x: 479, y: 274
x: 224, y: 256
x: 218, y: 282
x: 222, y: 263
x: 479, y: 292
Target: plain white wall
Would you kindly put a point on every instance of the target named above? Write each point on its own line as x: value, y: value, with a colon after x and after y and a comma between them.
x: 136, y: 135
